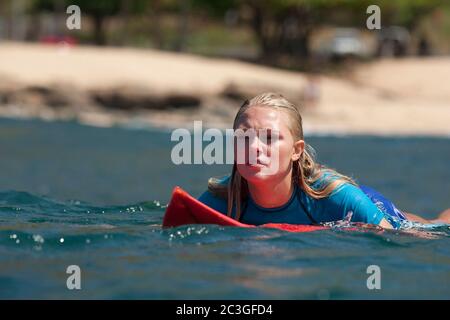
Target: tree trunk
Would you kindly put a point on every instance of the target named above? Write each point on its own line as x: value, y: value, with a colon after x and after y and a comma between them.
x: 302, y: 49
x: 180, y: 43
x: 155, y: 18
x: 34, y: 28
x: 124, y: 14
x: 99, y: 35
x: 259, y: 26
x: 286, y: 34
x: 60, y: 18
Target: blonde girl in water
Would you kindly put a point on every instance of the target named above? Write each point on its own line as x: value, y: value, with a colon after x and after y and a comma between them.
x: 295, y: 188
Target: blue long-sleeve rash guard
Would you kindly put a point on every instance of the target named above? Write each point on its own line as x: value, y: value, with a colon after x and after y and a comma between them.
x: 303, y: 209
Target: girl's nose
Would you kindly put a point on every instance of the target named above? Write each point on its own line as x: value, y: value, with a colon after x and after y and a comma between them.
x: 256, y: 144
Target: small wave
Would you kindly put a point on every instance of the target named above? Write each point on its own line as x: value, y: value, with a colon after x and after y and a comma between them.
x: 22, y: 211
x: 26, y: 202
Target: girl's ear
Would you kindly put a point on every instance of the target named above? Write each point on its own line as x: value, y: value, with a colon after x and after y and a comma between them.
x: 299, y: 147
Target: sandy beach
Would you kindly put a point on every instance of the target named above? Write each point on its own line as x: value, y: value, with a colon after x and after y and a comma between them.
x: 389, y: 97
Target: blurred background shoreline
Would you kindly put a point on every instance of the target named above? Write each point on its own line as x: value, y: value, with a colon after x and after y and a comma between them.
x: 144, y: 87
x: 167, y: 63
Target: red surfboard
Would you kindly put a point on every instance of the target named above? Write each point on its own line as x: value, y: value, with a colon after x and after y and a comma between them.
x: 183, y: 209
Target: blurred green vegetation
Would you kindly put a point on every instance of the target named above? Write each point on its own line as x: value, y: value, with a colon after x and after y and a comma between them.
x: 276, y: 32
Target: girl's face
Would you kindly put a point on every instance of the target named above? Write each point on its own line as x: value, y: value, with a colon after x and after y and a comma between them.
x: 273, y: 153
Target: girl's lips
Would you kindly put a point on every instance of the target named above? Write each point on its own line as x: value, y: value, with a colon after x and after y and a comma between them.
x: 259, y: 164
x: 255, y: 165
x: 255, y: 168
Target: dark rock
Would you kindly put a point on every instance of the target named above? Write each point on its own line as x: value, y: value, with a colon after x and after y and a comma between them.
x: 182, y: 101
x: 126, y: 98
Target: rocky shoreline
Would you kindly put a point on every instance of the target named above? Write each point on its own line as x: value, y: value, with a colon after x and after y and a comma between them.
x: 125, y: 105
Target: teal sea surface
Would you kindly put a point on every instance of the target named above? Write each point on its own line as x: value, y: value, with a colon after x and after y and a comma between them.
x: 95, y: 197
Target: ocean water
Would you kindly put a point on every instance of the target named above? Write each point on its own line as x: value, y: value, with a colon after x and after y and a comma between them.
x: 95, y: 198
